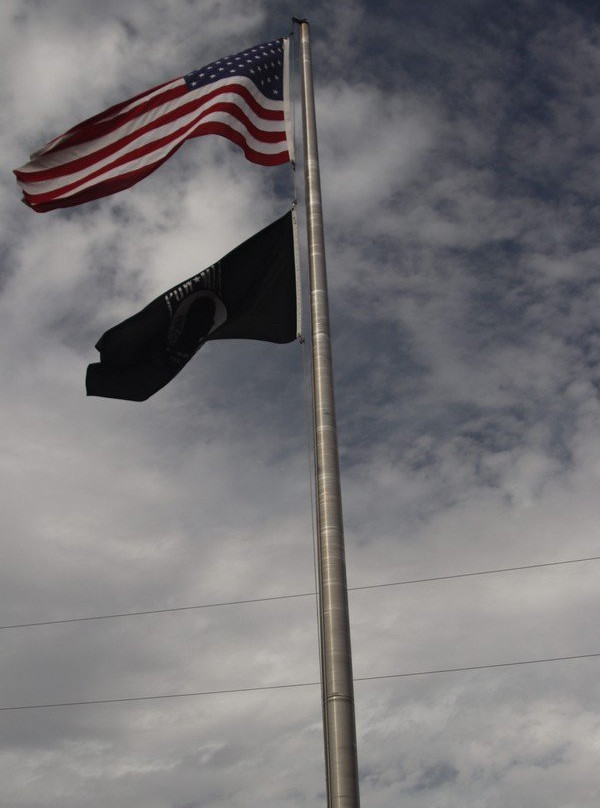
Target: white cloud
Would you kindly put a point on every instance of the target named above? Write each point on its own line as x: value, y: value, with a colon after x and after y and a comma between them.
x: 458, y: 176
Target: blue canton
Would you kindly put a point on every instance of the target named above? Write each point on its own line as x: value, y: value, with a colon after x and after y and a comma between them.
x: 262, y: 64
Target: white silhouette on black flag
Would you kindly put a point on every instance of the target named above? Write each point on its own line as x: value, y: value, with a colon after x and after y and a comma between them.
x: 248, y: 294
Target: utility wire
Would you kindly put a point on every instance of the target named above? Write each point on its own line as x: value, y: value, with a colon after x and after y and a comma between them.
x: 478, y: 667
x: 159, y: 611
x: 162, y: 696
x: 296, y: 595
x: 481, y: 572
x: 296, y: 684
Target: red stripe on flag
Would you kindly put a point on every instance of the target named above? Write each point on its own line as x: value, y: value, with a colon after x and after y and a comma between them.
x: 81, y: 163
x: 194, y: 129
x: 102, y: 125
x: 261, y: 158
x: 124, y: 181
x: 48, y: 199
x: 59, y: 141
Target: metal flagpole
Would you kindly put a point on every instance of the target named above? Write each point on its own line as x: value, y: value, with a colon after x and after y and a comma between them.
x: 336, y: 659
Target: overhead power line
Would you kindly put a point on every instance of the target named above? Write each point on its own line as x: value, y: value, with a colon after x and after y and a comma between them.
x: 295, y: 595
x: 161, y: 696
x: 158, y: 611
x: 478, y: 667
x: 295, y: 684
x: 480, y: 572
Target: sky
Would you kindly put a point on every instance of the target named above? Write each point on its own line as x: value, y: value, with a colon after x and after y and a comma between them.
x: 460, y: 173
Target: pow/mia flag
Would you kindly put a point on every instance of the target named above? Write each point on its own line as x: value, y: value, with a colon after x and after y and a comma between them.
x: 248, y: 294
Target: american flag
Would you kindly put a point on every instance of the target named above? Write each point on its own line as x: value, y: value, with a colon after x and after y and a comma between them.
x: 241, y: 97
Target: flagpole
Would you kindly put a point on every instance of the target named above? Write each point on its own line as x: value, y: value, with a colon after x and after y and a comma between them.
x: 341, y: 764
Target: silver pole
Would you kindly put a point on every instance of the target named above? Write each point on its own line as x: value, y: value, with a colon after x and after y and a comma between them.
x: 336, y: 658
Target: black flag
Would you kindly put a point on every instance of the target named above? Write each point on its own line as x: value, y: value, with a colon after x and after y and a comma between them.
x: 249, y: 294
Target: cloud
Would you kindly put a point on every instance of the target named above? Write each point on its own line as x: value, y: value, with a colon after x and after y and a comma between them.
x: 458, y: 174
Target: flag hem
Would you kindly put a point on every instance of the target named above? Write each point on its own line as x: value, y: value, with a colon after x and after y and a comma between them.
x: 288, y: 107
